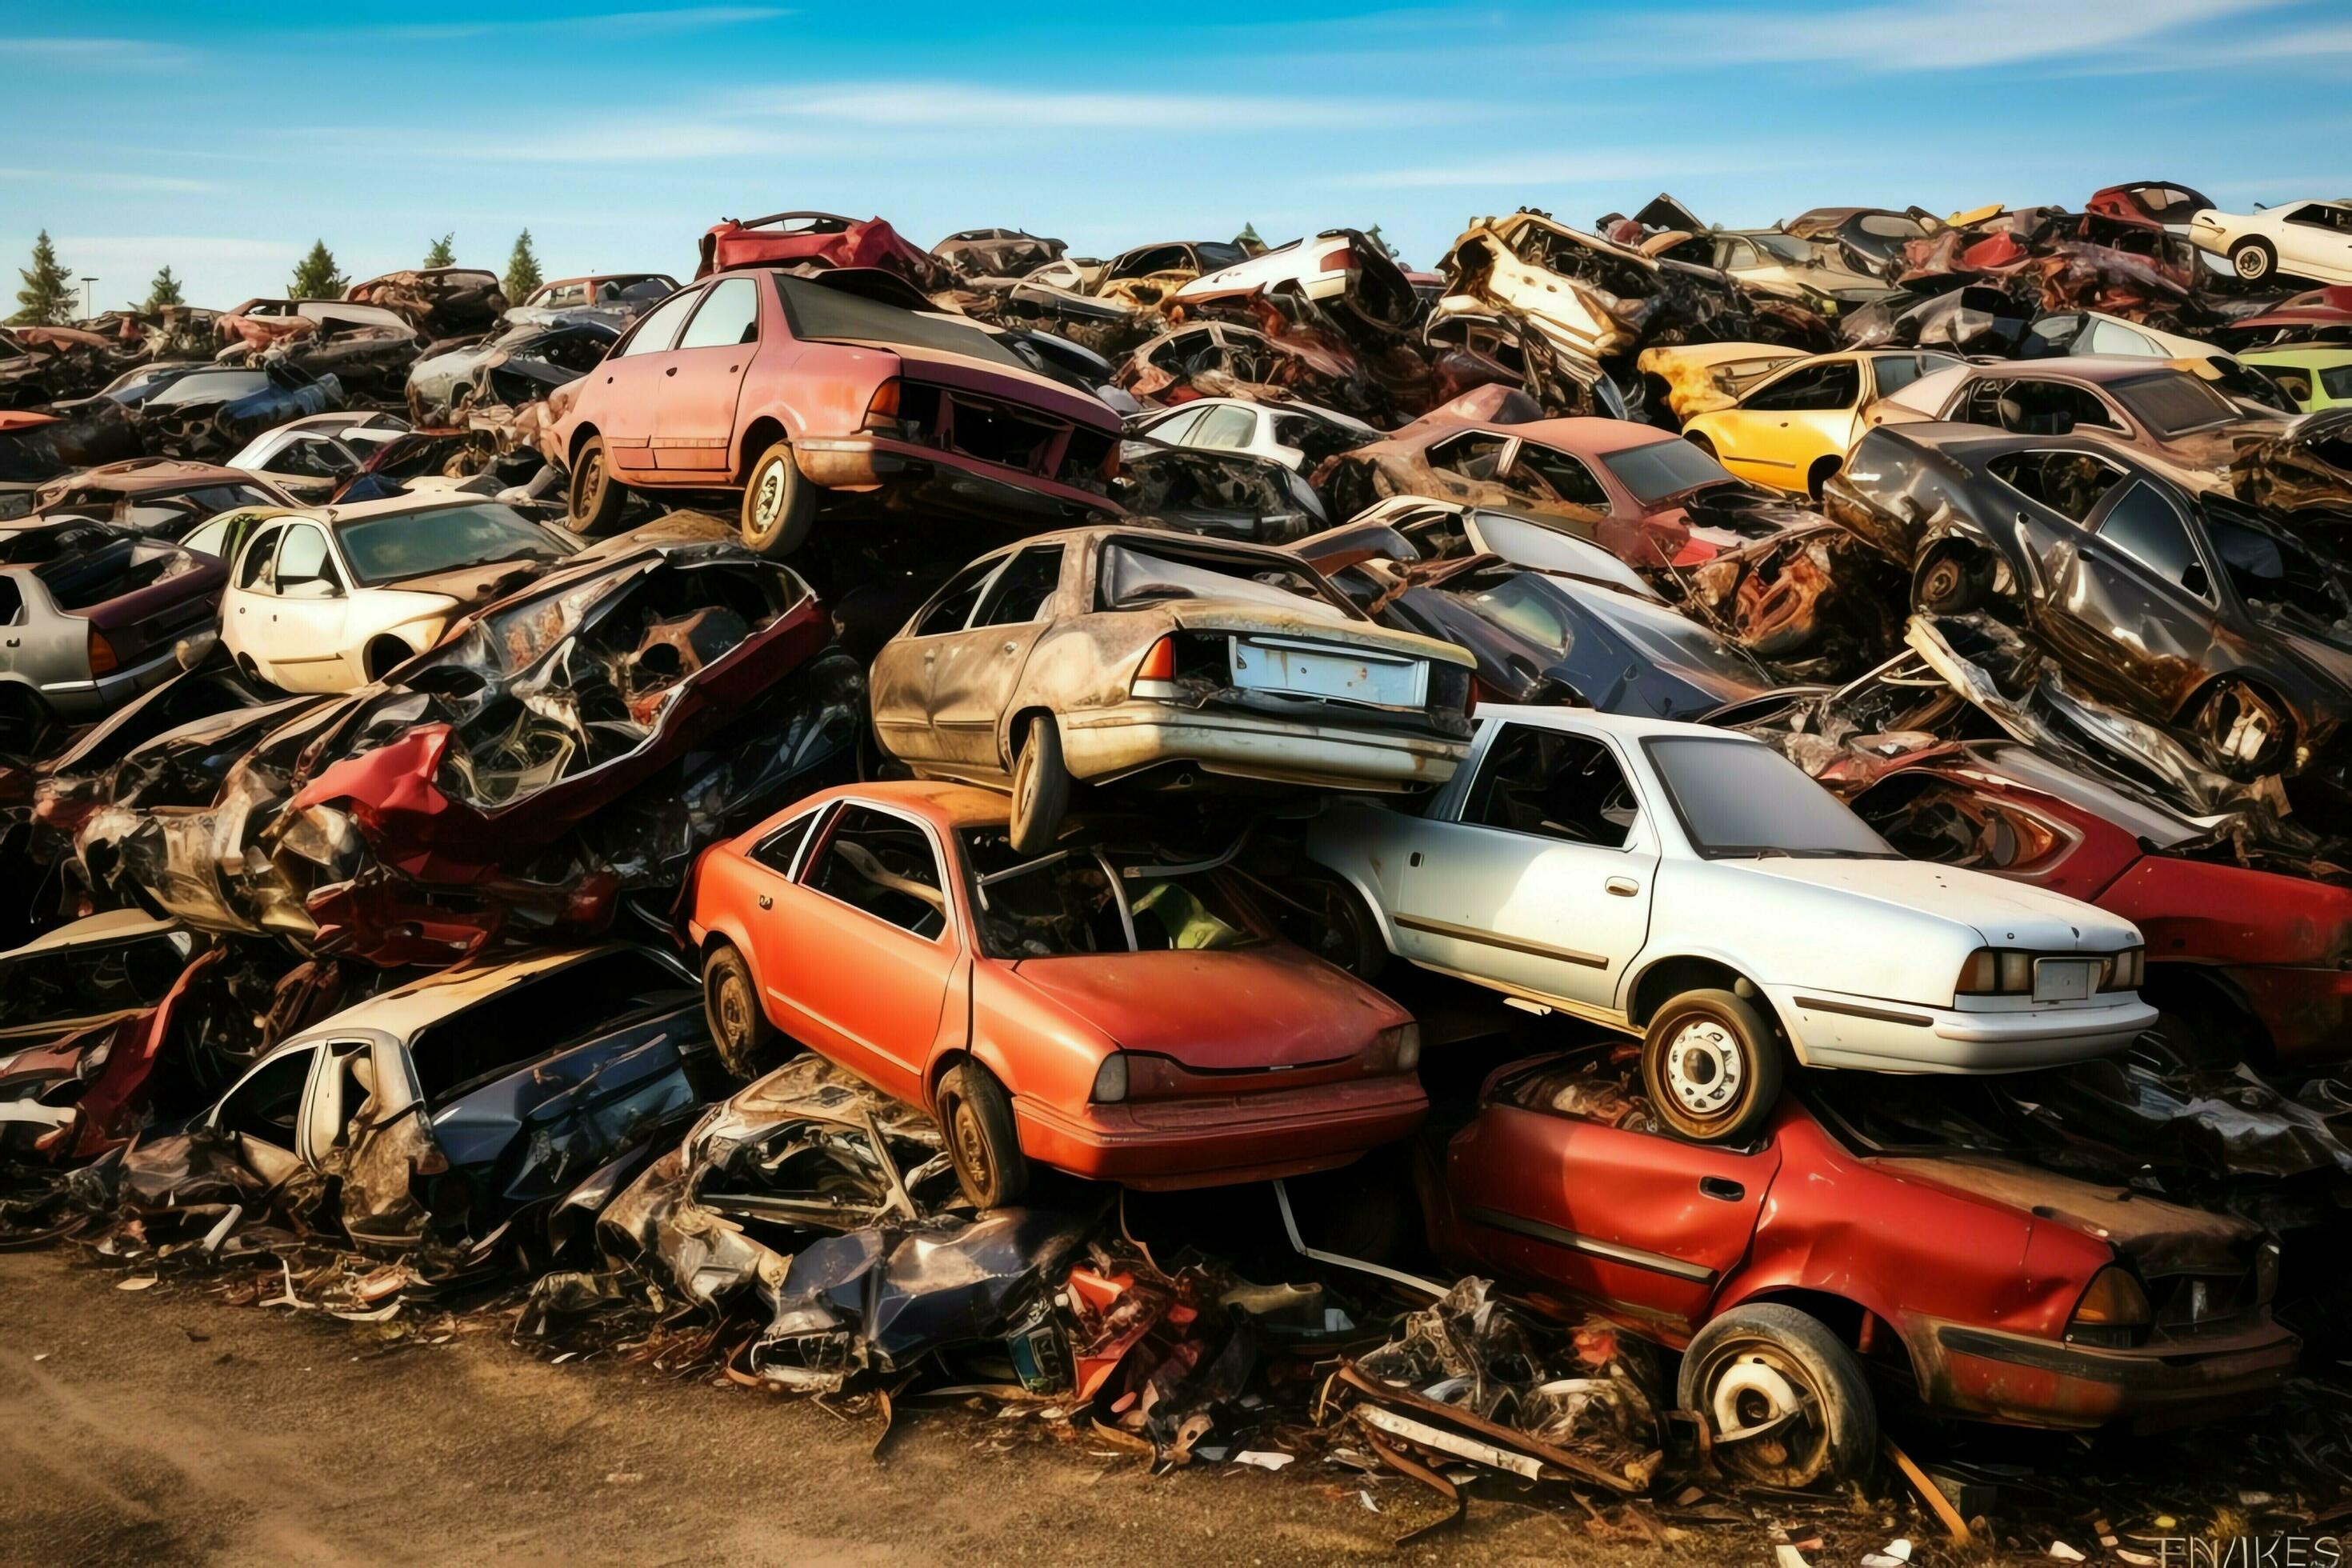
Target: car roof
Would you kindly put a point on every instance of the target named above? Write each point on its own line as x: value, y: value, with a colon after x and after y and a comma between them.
x: 947, y: 805
x: 405, y: 1009
x: 114, y: 925
x: 1551, y: 716
x: 133, y: 476
x: 1584, y: 433
x: 2098, y: 368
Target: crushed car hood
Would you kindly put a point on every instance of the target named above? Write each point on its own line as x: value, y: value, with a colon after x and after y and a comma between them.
x: 1235, y: 1010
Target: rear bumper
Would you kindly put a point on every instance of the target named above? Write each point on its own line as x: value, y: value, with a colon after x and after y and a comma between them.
x: 927, y: 476
x: 1110, y: 741
x: 1219, y: 1141
x: 1833, y: 1030
x: 96, y: 699
x: 2038, y: 1382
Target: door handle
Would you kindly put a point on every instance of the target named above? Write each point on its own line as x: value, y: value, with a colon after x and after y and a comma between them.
x: 930, y: 654
x: 1623, y: 887
x: 733, y: 368
x: 1730, y: 1192
x: 766, y: 903
x: 671, y: 371
x: 1010, y: 646
x: 1416, y: 858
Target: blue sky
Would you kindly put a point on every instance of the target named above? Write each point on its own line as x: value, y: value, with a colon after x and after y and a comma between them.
x: 224, y: 138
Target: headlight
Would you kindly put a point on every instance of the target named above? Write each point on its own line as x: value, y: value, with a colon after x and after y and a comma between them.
x: 1401, y: 1046
x: 1996, y: 972
x: 2126, y: 971
x: 2114, y: 1310
x: 1110, y: 1079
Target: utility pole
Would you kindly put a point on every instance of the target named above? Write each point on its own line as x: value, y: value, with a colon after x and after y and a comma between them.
x: 88, y: 285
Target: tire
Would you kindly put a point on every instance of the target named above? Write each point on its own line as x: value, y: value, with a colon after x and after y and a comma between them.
x: 596, y: 499
x: 1757, y: 1362
x: 1041, y: 787
x: 1711, y: 1065
x: 779, y: 504
x: 976, y: 1118
x: 1952, y: 581
x: 2248, y: 735
x: 1345, y: 931
x: 2253, y: 260
x: 749, y: 1045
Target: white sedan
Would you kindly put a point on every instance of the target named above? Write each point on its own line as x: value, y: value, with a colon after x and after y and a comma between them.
x: 311, y: 457
x: 1693, y: 886
x: 333, y: 597
x: 1298, y: 436
x: 2301, y: 240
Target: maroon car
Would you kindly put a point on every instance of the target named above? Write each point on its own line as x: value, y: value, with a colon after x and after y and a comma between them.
x: 2152, y: 202
x: 791, y: 389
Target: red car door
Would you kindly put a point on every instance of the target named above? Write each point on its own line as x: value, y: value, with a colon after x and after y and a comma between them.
x: 858, y: 952
x: 1644, y: 1224
x: 694, y: 409
x: 625, y: 390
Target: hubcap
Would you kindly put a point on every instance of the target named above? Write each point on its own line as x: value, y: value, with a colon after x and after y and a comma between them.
x: 972, y: 1145
x: 768, y: 502
x: 1943, y: 580
x: 1753, y: 1390
x: 591, y: 485
x: 2249, y: 263
x: 1703, y: 1068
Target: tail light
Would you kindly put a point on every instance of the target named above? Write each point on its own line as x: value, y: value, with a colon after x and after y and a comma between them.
x: 1996, y: 972
x: 1340, y: 260
x: 1110, y: 1079
x: 2126, y: 971
x: 101, y: 654
x: 1159, y: 664
x: 2114, y: 1310
x: 882, y: 411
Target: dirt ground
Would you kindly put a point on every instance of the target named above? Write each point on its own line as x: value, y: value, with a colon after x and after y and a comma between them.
x: 163, y: 1426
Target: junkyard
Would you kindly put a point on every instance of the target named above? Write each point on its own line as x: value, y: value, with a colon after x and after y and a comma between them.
x: 1634, y: 889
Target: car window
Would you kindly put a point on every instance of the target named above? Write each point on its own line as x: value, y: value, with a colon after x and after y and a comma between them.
x: 1225, y: 427
x: 1739, y: 798
x: 2144, y: 525
x: 2336, y: 379
x: 256, y: 558
x: 313, y: 456
x: 265, y: 1105
x: 1174, y: 429
x: 2071, y: 484
x: 565, y: 294
x: 1837, y: 384
x: 777, y: 849
x: 531, y: 1016
x: 1088, y: 899
x: 1657, y: 470
x: 1473, y: 454
x: 1130, y: 577
x: 446, y: 538
x: 1020, y: 592
x: 1525, y: 543
x: 12, y: 602
x: 2173, y: 402
x: 211, y: 540
x: 954, y: 604
x: 302, y: 560
x: 1553, y: 785
x: 1153, y: 259
x: 1217, y: 253
x: 2031, y: 407
x: 1895, y: 371
x: 655, y: 333
x: 2114, y: 338
x: 2268, y: 569
x: 884, y: 865
x: 730, y: 315
x: 1568, y: 476
x: 1530, y: 606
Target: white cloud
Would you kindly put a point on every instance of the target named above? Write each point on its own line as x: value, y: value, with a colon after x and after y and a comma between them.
x: 106, y: 180
x: 1571, y: 166
x: 984, y: 109
x: 632, y: 24
x: 112, y: 53
x: 1922, y: 35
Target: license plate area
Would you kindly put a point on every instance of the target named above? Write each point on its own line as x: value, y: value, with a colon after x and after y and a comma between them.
x: 1301, y: 669
x: 2064, y: 979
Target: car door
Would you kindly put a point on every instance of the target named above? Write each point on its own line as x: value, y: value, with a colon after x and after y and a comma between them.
x: 260, y: 1118
x: 978, y: 670
x: 2137, y: 601
x: 694, y: 411
x: 859, y: 949
x: 249, y: 602
x: 1790, y: 422
x: 309, y: 611
x: 902, y: 679
x: 634, y: 378
x: 1542, y: 885
x: 1641, y: 1222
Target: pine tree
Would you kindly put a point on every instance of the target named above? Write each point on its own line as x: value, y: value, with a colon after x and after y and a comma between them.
x: 47, y: 299
x: 317, y: 278
x: 164, y: 290
x: 1248, y: 240
x: 522, y: 269
x: 444, y: 252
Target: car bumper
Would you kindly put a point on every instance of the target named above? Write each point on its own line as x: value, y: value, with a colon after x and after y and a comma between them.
x: 1222, y: 1140
x: 1833, y: 1030
x: 1111, y: 741
x: 925, y: 476
x: 96, y: 699
x: 2038, y: 1382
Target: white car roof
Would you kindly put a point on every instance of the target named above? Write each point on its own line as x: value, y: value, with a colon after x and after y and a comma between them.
x: 1592, y: 720
x: 405, y: 1010
x: 114, y: 925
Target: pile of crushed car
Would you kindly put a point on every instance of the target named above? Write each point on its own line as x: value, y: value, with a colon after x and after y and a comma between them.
x: 1716, y: 847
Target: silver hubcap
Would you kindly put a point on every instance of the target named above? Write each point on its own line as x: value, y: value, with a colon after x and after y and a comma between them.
x: 1704, y: 1072
x: 1752, y: 1394
x: 768, y: 502
x: 2249, y: 263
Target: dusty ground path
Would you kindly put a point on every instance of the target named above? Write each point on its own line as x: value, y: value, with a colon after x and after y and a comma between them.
x: 163, y: 1426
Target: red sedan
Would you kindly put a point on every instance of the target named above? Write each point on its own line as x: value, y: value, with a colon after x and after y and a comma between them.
x: 1094, y: 1009
x: 1786, y: 1270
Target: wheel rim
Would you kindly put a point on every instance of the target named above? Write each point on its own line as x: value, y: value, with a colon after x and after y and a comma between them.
x: 972, y: 1146
x: 1767, y: 1415
x: 2251, y: 263
x: 1704, y: 1071
x: 768, y: 499
x: 1024, y: 784
x: 734, y: 1017
x: 1942, y: 582
x: 591, y: 485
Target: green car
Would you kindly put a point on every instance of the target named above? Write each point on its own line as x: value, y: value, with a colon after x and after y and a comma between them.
x: 2315, y: 375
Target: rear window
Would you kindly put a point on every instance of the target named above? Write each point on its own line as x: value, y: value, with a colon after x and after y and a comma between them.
x: 1096, y: 899
x: 1663, y: 468
x: 833, y: 315
x: 539, y: 1015
x: 1131, y: 578
x: 2172, y: 402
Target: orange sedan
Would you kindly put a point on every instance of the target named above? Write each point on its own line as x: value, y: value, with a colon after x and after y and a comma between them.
x: 1091, y: 1009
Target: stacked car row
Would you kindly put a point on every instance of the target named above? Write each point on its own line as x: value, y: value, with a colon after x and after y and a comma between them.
x: 1166, y: 646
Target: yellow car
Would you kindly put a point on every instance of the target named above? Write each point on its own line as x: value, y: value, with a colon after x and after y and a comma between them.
x: 1792, y: 429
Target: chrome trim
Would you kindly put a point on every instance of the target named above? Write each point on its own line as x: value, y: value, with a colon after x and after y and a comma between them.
x: 1489, y: 939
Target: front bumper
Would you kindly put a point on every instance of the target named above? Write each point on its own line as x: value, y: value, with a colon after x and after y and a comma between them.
x: 2041, y: 1382
x: 927, y: 477
x: 1831, y: 1029
x: 1107, y: 742
x: 1208, y: 1141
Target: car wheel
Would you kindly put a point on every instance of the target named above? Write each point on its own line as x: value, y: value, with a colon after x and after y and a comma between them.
x: 2252, y: 259
x: 596, y: 498
x: 1785, y: 1403
x: 1711, y: 1066
x: 1951, y: 581
x: 976, y: 1114
x: 27, y: 724
x: 779, y: 504
x: 1041, y: 787
x: 747, y: 1043
x: 2247, y: 733
x: 1343, y: 931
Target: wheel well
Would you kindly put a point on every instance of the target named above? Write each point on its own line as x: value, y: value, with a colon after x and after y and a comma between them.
x: 939, y: 1070
x: 581, y: 437
x: 763, y: 433
x: 1017, y: 726
x: 712, y: 942
x: 384, y: 653
x: 1698, y: 439
x: 2198, y: 995
x: 1673, y: 977
x: 1822, y: 469
x: 1839, y: 1316
x: 2261, y: 689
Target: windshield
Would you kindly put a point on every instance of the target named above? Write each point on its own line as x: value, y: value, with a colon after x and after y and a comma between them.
x: 1132, y: 578
x: 1094, y: 899
x: 1783, y: 247
x: 1664, y: 468
x: 2172, y: 402
x: 420, y: 543
x: 1523, y: 542
x: 835, y: 315
x: 1739, y: 798
x: 204, y: 386
x: 1217, y: 253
